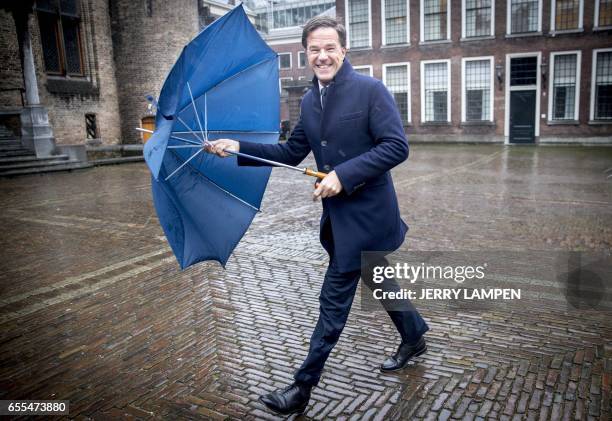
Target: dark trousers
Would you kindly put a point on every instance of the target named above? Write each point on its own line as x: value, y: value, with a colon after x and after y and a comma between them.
x: 335, y: 301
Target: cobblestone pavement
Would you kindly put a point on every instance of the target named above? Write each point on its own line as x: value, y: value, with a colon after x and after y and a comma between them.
x: 94, y: 310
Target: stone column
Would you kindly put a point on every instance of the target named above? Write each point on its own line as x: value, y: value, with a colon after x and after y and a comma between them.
x: 36, y: 132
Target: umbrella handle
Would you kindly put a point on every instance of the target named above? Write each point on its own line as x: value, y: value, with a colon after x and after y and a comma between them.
x: 314, y: 173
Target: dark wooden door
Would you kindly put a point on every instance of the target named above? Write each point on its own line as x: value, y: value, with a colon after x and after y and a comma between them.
x: 522, y: 116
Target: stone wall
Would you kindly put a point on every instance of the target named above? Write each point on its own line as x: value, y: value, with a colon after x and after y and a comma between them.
x: 68, y: 99
x: 147, y: 42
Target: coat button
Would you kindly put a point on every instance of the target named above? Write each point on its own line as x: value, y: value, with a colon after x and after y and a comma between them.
x: 326, y: 167
x: 324, y: 143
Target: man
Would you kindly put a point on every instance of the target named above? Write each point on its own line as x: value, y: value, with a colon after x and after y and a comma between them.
x: 351, y: 124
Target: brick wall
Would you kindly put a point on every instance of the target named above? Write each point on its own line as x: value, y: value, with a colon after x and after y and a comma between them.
x: 69, y: 99
x: 10, y: 64
x: 145, y: 48
x: 498, y: 48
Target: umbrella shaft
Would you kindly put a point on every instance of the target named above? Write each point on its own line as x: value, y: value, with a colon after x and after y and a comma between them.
x: 266, y: 161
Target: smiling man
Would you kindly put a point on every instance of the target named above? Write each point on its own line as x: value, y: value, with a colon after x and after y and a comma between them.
x: 352, y: 126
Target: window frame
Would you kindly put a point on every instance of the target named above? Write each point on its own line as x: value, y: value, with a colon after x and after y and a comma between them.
x: 491, y: 60
x: 551, y: 83
x: 408, y: 75
x: 365, y: 66
x: 348, y: 26
x: 463, y: 25
x: 303, y: 53
x: 553, y: 10
x: 538, y: 31
x: 60, y: 43
x: 593, y: 82
x: 596, y: 26
x: 448, y: 87
x: 383, y: 6
x: 290, y: 61
x: 422, y: 24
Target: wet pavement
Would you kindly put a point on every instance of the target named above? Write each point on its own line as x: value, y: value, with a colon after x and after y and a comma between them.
x: 94, y: 310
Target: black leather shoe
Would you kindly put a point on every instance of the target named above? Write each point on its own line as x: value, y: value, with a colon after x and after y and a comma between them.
x: 291, y: 400
x: 404, y: 353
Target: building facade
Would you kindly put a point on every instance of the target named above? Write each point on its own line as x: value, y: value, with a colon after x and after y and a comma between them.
x: 515, y: 71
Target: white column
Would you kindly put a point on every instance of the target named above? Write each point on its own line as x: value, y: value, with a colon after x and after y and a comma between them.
x: 29, y: 70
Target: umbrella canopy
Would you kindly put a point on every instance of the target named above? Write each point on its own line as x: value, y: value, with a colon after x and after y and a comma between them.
x: 223, y: 85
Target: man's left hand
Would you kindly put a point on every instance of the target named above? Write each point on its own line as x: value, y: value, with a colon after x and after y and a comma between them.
x: 328, y: 187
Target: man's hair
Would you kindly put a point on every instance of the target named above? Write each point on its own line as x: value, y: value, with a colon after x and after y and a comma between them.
x: 324, y: 22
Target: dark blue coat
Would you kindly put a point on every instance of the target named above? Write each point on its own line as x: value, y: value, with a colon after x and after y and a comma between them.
x: 360, y: 136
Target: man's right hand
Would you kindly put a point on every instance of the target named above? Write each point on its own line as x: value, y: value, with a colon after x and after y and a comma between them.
x: 219, y: 147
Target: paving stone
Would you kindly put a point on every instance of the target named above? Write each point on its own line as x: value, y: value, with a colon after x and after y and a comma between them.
x: 94, y: 308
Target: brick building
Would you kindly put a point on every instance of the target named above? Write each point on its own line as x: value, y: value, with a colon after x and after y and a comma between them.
x: 74, y: 73
x: 515, y: 71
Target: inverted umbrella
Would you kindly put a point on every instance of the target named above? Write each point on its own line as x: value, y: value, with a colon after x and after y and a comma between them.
x: 224, y: 84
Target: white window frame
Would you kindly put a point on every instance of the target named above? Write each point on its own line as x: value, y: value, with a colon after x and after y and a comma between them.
x: 365, y: 66
x: 280, y: 82
x: 551, y: 83
x: 593, y: 75
x: 384, y: 75
x: 553, y: 15
x: 509, y: 20
x: 463, y: 13
x: 448, y: 87
x: 305, y: 60
x: 491, y: 60
x: 596, y: 26
x: 448, y: 24
x: 384, y: 24
x: 290, y: 61
x: 508, y: 88
x: 348, y: 26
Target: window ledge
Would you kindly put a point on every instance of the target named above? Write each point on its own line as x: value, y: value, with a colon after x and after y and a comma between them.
x: 437, y: 42
x: 388, y: 46
x: 599, y: 122
x: 436, y: 123
x: 525, y: 34
x: 566, y: 31
x: 563, y: 122
x: 471, y: 39
x: 60, y: 85
x: 478, y: 123
x: 602, y: 28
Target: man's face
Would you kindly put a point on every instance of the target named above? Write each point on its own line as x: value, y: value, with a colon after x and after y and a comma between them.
x: 325, y: 55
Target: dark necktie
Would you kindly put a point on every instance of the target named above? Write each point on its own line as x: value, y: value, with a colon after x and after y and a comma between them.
x: 323, y: 97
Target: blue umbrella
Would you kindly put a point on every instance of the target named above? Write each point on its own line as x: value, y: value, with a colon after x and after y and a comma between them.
x: 224, y: 84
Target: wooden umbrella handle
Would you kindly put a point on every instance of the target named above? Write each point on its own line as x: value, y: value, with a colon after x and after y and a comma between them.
x: 314, y: 173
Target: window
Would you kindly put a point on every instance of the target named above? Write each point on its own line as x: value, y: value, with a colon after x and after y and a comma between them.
x: 397, y: 79
x: 524, y: 16
x: 359, y: 31
x: 91, y: 127
x: 566, y: 15
x: 395, y: 22
x: 364, y: 70
x: 477, y: 82
x: 601, y: 85
x: 477, y: 18
x: 284, y: 61
x: 301, y: 59
x: 565, y: 86
x: 59, y: 23
x: 603, y: 13
x: 524, y: 71
x: 435, y: 91
x: 290, y: 14
x: 435, y: 22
